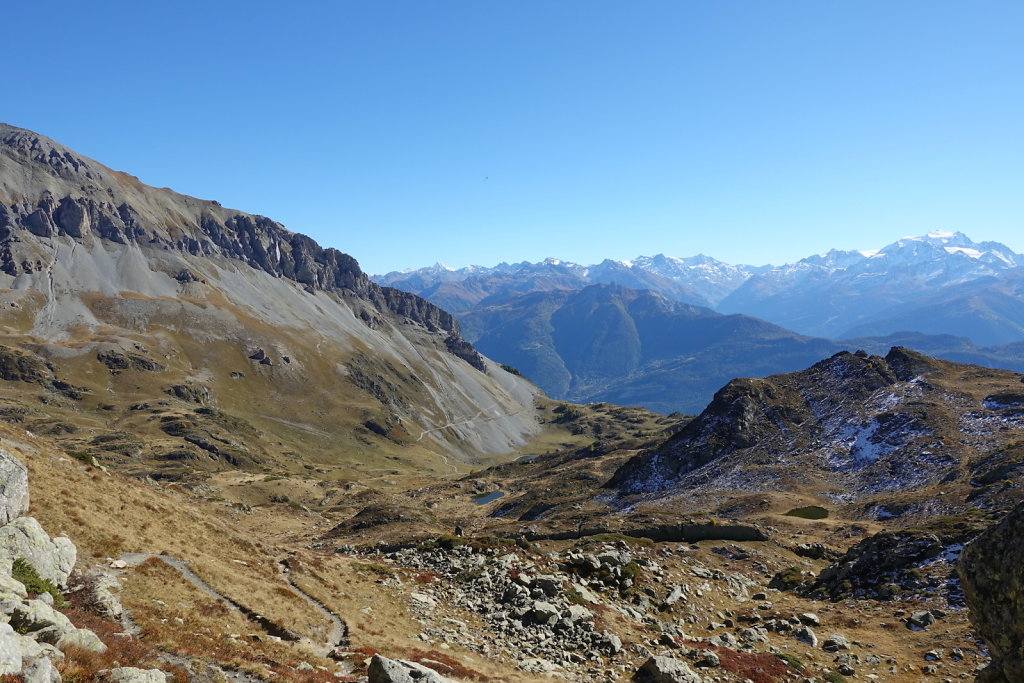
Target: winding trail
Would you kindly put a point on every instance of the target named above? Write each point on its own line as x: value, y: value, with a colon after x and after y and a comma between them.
x: 339, y: 629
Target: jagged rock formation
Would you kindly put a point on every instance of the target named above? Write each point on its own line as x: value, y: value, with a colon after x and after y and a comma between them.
x: 992, y: 571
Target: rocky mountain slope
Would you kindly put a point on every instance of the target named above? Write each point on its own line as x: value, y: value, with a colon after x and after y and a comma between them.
x: 176, y: 334
x: 903, y: 434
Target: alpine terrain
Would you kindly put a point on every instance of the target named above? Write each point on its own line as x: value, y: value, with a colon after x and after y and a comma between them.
x: 227, y: 455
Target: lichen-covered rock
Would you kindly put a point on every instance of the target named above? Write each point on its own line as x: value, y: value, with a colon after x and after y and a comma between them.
x: 13, y: 488
x: 12, y: 593
x: 105, y: 591
x: 129, y: 674
x: 82, y: 638
x: 991, y: 569
x: 10, y: 653
x: 52, y: 558
x: 42, y: 671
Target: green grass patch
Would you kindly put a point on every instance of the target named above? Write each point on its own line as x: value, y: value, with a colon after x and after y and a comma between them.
x: 792, y: 661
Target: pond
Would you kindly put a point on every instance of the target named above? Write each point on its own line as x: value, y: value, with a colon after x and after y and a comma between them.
x: 486, y: 498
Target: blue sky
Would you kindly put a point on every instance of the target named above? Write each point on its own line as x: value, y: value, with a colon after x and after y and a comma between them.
x: 480, y: 131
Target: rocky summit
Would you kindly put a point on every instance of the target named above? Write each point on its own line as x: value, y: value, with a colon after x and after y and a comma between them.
x: 228, y: 455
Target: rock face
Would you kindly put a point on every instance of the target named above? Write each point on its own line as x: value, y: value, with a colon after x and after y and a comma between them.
x: 108, y: 205
x: 13, y: 488
x: 992, y: 572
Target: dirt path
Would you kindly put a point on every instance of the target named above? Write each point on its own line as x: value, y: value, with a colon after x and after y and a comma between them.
x: 339, y: 629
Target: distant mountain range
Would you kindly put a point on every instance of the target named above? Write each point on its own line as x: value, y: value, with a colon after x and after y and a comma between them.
x: 939, y: 283
x: 643, y: 332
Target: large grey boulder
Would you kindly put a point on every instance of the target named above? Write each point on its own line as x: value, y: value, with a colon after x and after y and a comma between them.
x: 384, y: 670
x: 13, y: 488
x: 666, y: 670
x: 76, y: 637
x: 52, y: 558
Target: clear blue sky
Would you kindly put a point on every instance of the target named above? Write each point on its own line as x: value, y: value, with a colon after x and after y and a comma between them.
x: 479, y: 131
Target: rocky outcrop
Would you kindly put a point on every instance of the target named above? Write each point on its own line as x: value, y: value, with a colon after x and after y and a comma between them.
x: 881, y: 566
x: 13, y: 488
x: 52, y: 558
x: 991, y: 569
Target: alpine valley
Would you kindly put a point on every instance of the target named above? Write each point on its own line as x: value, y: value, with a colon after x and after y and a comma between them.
x: 227, y: 454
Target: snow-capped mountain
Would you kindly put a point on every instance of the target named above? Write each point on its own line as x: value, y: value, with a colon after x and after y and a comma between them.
x: 854, y: 293
x: 939, y: 283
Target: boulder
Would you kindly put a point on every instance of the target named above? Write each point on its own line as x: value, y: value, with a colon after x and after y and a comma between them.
x: 53, y: 558
x: 806, y: 635
x: 105, y: 590
x: 129, y: 674
x: 991, y: 570
x: 384, y: 670
x: 543, y: 612
x: 13, y: 488
x: 666, y: 670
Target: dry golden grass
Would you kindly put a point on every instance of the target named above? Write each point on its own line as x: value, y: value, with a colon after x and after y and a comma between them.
x: 177, y: 617
x: 106, y: 514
